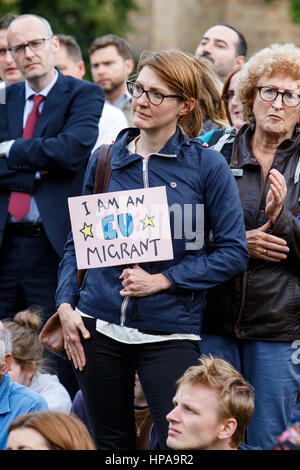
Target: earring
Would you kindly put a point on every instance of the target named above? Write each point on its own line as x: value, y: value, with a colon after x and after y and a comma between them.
x: 252, y: 122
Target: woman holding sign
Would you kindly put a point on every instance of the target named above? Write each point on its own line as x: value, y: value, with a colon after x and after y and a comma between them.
x: 147, y: 318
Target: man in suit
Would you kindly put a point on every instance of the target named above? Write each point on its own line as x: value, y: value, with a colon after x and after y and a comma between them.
x: 48, y: 127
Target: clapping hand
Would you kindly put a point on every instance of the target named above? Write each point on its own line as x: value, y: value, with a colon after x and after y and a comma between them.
x: 276, y: 195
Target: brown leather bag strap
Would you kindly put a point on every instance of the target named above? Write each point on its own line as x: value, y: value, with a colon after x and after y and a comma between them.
x: 102, y: 177
x: 103, y: 169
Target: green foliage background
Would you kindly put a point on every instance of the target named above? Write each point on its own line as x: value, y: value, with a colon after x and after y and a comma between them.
x: 84, y: 19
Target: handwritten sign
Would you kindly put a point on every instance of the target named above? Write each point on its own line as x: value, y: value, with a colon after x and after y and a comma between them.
x: 124, y: 227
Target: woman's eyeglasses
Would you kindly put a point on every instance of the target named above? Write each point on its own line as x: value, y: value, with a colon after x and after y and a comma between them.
x: 269, y: 94
x: 154, y: 97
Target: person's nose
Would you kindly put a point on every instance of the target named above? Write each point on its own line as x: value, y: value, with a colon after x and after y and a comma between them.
x: 9, y: 58
x: 143, y: 99
x: 234, y: 101
x: 278, y: 102
x: 28, y: 52
x: 101, y: 69
x: 207, y: 48
x: 173, y: 415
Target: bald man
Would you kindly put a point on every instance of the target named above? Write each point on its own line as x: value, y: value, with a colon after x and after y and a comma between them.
x: 41, y: 164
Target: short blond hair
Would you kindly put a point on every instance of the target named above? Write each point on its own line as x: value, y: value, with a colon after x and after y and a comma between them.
x: 236, y: 396
x: 266, y: 62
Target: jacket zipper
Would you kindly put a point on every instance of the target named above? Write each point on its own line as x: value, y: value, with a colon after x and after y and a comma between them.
x: 126, y: 299
x: 123, y: 310
x: 242, y: 305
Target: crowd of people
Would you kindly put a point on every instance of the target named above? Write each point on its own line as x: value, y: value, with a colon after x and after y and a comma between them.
x: 197, y: 352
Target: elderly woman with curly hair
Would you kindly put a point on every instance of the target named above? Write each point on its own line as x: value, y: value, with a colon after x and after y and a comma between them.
x: 253, y: 320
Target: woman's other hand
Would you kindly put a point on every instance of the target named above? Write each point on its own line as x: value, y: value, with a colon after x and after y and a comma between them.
x: 138, y: 283
x: 266, y: 246
x: 276, y: 195
x: 72, y: 325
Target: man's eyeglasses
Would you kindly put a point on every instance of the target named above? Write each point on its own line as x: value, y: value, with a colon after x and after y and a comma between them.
x: 228, y: 96
x: 33, y: 45
x: 154, y: 97
x: 270, y: 94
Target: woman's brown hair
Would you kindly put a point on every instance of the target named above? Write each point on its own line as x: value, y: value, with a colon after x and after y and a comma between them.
x: 182, y: 73
x: 211, y: 95
x: 225, y: 91
x: 62, y: 431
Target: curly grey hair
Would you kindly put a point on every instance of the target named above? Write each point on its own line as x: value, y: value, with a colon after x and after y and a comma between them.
x: 266, y: 62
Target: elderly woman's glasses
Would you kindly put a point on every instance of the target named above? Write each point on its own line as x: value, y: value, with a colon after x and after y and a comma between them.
x: 33, y: 45
x: 270, y: 94
x: 154, y: 97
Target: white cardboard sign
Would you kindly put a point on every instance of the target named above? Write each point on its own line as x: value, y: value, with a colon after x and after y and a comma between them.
x: 118, y: 228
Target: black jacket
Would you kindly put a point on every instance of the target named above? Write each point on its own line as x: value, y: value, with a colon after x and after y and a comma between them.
x: 264, y: 302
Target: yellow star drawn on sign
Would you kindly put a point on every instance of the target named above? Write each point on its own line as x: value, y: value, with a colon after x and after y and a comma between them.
x: 147, y: 221
x: 87, y: 231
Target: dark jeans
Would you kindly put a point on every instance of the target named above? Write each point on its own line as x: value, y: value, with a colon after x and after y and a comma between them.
x: 107, y: 384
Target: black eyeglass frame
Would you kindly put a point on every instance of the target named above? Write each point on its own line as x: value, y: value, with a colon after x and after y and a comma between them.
x: 132, y: 82
x: 282, y: 93
x: 12, y: 49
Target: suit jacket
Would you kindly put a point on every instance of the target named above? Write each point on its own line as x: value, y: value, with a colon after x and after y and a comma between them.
x: 64, y: 136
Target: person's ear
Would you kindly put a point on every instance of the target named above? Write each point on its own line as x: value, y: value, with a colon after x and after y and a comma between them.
x: 240, y: 60
x: 188, y: 106
x: 129, y: 66
x: 55, y: 44
x: 81, y: 68
x: 228, y: 428
x: 4, y: 368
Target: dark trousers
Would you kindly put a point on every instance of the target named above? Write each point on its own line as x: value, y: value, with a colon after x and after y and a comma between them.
x: 28, y: 276
x: 107, y: 384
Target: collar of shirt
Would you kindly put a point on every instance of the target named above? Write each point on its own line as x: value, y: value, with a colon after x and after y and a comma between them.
x: 29, y: 92
x: 4, y: 394
x: 122, y: 100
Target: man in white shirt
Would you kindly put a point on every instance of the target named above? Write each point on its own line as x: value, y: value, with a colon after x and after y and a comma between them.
x: 68, y: 59
x: 112, y: 62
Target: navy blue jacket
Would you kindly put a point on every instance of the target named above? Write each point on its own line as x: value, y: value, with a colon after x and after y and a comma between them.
x: 64, y: 136
x: 202, y: 176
